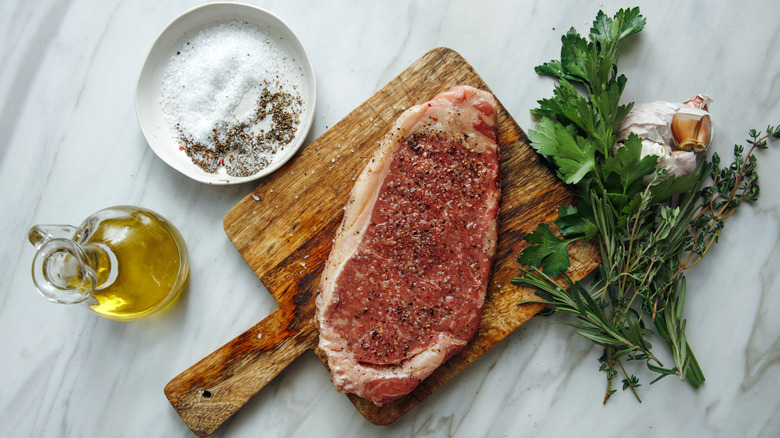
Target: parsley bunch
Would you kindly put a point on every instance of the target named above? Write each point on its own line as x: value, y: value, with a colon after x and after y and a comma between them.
x: 648, y: 234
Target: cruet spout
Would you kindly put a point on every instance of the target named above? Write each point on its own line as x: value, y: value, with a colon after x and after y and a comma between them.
x: 40, y: 234
x: 62, y: 269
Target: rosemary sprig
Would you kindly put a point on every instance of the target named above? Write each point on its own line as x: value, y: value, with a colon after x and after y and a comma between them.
x: 648, y: 235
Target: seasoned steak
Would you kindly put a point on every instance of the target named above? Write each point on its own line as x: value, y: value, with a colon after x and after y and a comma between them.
x: 405, y: 282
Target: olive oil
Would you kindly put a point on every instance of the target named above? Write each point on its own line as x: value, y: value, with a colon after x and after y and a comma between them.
x: 147, y: 253
x: 123, y: 262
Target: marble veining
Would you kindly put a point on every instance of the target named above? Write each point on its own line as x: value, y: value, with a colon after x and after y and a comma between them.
x: 71, y: 145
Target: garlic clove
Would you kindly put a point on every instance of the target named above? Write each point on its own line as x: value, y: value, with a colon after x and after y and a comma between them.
x: 692, y: 128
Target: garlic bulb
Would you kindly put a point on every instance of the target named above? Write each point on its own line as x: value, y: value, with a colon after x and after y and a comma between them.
x: 671, y: 131
x: 691, y: 126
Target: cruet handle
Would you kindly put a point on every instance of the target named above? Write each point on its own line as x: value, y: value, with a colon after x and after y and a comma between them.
x: 62, y: 270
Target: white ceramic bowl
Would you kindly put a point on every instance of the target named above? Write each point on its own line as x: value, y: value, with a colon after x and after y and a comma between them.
x: 162, y: 137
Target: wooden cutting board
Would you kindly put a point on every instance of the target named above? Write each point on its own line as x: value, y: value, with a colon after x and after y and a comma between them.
x: 285, y: 227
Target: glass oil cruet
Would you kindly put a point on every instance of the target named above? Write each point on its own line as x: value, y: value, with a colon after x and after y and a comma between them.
x: 123, y: 262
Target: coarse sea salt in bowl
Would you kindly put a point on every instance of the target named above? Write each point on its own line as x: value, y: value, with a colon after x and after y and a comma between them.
x: 227, y: 94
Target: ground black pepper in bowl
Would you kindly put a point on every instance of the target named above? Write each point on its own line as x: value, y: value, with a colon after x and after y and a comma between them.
x: 242, y: 149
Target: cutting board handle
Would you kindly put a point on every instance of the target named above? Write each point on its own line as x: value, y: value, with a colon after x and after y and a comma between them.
x: 212, y: 390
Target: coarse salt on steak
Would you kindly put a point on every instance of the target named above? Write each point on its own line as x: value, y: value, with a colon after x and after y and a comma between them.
x: 405, y: 282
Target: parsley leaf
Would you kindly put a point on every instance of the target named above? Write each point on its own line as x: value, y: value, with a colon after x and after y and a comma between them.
x: 674, y: 185
x: 546, y: 250
x: 573, y: 155
x: 568, y: 106
x: 608, y: 32
x: 572, y: 222
x: 627, y: 166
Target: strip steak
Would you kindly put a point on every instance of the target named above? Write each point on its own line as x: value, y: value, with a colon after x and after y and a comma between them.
x: 404, y: 285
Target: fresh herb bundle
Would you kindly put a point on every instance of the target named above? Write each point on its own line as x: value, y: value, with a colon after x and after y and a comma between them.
x: 648, y: 233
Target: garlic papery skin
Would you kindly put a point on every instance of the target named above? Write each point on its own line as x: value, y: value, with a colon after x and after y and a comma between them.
x: 650, y: 147
x: 679, y: 163
x: 691, y: 126
x: 700, y: 101
x: 649, y: 121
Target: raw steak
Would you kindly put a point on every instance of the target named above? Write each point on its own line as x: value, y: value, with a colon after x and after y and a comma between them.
x: 403, y: 287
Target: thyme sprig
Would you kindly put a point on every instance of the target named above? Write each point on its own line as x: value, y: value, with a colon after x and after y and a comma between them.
x: 648, y: 235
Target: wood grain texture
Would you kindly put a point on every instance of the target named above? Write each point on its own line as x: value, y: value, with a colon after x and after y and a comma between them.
x: 285, y: 228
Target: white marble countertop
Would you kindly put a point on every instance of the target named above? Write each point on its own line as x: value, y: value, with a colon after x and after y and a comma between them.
x: 71, y: 145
